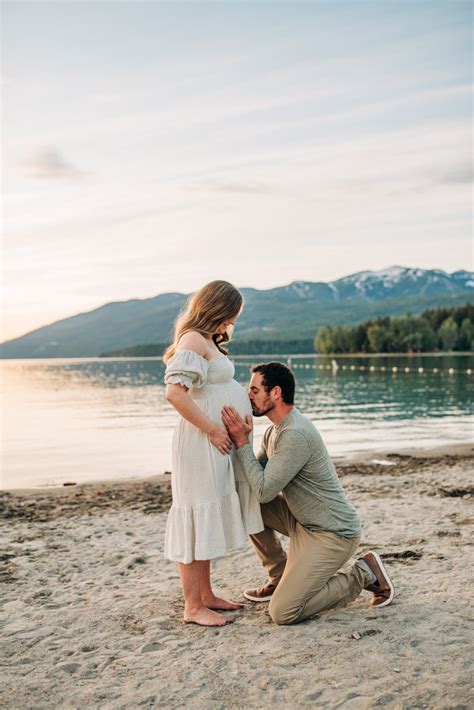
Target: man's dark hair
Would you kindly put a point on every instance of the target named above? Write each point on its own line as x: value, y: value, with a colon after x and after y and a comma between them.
x: 276, y: 374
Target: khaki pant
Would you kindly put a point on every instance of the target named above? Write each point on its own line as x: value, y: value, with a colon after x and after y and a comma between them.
x: 308, y: 580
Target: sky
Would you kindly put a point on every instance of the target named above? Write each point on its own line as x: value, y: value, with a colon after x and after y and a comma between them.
x: 154, y: 146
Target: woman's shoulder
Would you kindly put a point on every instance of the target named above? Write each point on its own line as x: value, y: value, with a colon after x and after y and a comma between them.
x: 194, y: 341
x: 187, y: 366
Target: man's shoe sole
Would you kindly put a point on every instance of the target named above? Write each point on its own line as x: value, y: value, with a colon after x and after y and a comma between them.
x: 387, y: 577
x: 257, y: 599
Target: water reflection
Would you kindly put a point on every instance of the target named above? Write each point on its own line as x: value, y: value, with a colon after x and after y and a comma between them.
x: 98, y: 418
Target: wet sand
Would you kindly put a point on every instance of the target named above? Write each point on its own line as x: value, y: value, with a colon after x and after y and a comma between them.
x: 91, y: 612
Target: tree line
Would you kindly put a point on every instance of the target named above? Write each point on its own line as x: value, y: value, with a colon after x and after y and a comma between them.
x: 444, y: 329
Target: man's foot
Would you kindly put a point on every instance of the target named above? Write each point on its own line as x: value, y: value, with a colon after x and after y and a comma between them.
x: 205, y: 617
x: 262, y: 594
x: 219, y: 604
x: 382, y: 589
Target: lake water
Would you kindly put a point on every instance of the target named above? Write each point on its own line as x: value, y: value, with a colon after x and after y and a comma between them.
x: 97, y: 419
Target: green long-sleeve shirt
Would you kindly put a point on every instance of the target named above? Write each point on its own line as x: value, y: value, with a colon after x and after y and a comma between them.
x: 293, y: 460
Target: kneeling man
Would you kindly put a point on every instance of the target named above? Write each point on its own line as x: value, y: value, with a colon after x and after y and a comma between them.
x: 302, y: 498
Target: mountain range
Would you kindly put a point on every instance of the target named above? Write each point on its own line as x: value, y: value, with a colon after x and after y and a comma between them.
x: 294, y: 311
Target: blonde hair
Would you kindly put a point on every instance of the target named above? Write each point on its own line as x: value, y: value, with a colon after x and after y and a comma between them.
x: 205, y: 311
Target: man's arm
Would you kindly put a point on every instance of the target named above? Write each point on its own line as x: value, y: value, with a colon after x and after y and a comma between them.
x: 262, y: 456
x: 290, y: 455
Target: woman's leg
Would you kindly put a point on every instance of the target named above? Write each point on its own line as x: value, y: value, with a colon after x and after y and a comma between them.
x: 194, y: 609
x: 208, y: 597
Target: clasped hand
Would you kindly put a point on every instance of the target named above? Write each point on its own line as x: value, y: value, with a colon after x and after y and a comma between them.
x: 220, y: 439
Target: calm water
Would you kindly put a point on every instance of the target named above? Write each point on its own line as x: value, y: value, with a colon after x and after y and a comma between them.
x: 83, y: 420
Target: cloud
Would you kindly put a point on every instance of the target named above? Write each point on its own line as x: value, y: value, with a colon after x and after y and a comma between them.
x: 49, y: 164
x: 458, y: 175
x: 229, y: 187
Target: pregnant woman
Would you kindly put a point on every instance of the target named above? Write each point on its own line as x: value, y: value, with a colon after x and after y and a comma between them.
x: 213, y: 507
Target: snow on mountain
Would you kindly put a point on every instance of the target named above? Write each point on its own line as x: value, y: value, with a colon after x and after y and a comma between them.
x: 389, y: 277
x: 399, y: 281
x: 302, y: 289
x: 294, y: 310
x: 373, y: 286
x: 464, y: 277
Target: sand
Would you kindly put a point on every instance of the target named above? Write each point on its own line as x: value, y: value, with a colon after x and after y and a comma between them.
x: 91, y: 612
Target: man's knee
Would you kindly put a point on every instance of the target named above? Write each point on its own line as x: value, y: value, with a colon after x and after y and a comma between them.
x: 282, y: 614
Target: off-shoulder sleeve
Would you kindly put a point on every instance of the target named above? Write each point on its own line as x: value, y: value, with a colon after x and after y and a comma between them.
x: 186, y: 368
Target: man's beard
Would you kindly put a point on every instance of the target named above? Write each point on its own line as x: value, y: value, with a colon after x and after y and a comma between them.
x: 261, y: 413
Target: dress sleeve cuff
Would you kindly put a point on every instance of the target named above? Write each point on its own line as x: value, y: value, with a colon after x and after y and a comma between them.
x: 179, y: 380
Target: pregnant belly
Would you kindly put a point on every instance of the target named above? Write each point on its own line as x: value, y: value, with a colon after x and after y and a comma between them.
x: 212, y: 398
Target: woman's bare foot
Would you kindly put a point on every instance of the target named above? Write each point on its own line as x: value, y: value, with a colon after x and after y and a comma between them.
x: 205, y: 617
x: 221, y: 604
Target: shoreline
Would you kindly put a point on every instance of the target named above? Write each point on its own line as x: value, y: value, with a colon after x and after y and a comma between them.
x: 463, y: 450
x: 153, y: 494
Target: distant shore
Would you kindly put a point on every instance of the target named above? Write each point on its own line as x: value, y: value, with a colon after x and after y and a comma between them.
x: 437, y: 353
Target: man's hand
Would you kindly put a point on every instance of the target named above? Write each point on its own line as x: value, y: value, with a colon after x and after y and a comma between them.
x: 238, y: 429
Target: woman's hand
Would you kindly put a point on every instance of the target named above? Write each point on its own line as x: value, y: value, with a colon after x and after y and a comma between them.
x: 179, y: 397
x: 220, y: 439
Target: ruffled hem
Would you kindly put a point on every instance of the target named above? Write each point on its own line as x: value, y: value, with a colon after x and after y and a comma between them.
x: 179, y: 380
x: 204, y: 532
x: 186, y: 368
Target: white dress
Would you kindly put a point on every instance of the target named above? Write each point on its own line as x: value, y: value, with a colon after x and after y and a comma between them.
x: 214, y: 509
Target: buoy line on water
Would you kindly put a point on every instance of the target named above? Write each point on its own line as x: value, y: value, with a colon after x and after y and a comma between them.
x: 393, y: 369
x: 371, y: 368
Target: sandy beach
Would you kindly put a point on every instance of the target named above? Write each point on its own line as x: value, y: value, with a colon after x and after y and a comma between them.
x: 91, y: 611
